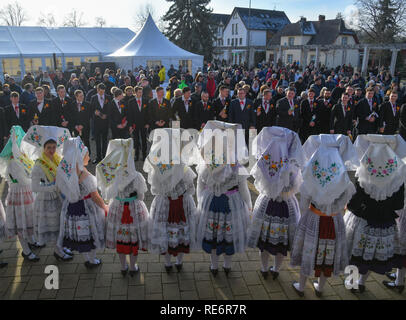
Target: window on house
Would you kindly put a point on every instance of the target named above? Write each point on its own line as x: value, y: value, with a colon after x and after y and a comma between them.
x: 289, y: 58
x: 291, y: 41
x: 236, y: 29
x: 232, y: 29
x: 344, y: 41
x: 240, y: 41
x: 228, y: 41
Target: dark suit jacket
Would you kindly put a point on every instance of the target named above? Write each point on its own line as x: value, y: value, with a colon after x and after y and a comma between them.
x: 186, y: 119
x: 218, y: 106
x: 82, y: 117
x: 265, y: 119
x: 246, y: 117
x: 307, y: 113
x: 47, y: 115
x: 156, y: 113
x: 283, y: 119
x: 137, y: 117
x: 340, y: 123
x: 386, y: 116
x: 325, y: 108
x: 201, y: 115
x: 363, y: 111
x: 99, y: 123
x: 63, y: 111
x: 116, y: 118
x: 402, y: 121
x: 10, y: 118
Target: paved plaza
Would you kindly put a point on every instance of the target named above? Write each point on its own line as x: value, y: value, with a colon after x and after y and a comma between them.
x: 25, y: 280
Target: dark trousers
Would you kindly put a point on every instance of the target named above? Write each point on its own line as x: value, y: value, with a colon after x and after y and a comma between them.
x: 101, y: 142
x: 140, y: 141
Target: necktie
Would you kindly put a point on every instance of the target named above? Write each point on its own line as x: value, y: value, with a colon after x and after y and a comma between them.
x: 17, y: 111
x: 102, y: 101
x: 139, y: 104
x: 311, y: 105
x: 222, y: 101
x: 394, y: 109
x: 79, y: 105
x: 370, y: 104
x: 266, y: 106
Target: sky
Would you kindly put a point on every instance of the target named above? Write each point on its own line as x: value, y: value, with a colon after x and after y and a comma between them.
x: 124, y: 13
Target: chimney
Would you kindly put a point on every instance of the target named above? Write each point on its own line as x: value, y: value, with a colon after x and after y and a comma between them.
x: 322, y: 18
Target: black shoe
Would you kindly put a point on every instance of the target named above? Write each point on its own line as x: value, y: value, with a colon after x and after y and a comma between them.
x: 391, y: 275
x: 134, y: 272
x: 274, y: 274
x: 68, y: 252
x: 299, y: 293
x: 227, y: 270
x: 168, y: 268
x: 36, y: 246
x: 27, y: 256
x: 361, y: 289
x: 90, y: 265
x: 265, y: 274
x: 392, y: 285
x: 214, y: 272
x: 123, y: 272
x: 65, y: 257
x: 317, y: 292
x: 3, y: 265
x: 179, y: 267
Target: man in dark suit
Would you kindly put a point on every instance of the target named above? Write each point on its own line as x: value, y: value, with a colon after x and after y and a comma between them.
x: 338, y: 91
x: 202, y: 112
x: 325, y: 105
x: 138, y: 120
x: 3, y: 133
x: 222, y: 104
x: 310, y: 113
x: 42, y: 111
x: 182, y: 109
x: 82, y: 118
x: 389, y: 115
x: 266, y: 111
x: 16, y: 114
x: 64, y: 111
x: 242, y: 111
x: 100, y: 110
x: 118, y: 116
x: 160, y: 112
x: 288, y: 112
x: 367, y: 114
x: 341, y: 116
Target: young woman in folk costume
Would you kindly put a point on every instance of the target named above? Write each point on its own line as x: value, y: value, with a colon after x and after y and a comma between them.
x: 44, y: 144
x: 83, y: 210
x: 372, y: 232
x: 278, y: 178
x: 127, y: 219
x: 224, y: 201
x: 3, y: 232
x: 172, y: 228
x: 16, y: 167
x: 319, y: 246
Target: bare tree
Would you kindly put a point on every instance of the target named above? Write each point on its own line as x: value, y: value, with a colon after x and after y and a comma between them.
x: 100, y: 22
x: 382, y: 20
x: 13, y: 14
x: 141, y: 16
x: 74, y: 19
x: 47, y: 20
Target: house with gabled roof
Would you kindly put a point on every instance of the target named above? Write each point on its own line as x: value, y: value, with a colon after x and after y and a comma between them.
x: 315, y: 41
x: 249, y: 30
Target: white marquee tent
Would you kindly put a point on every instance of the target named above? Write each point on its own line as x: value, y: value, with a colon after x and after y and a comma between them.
x: 25, y: 49
x: 151, y: 48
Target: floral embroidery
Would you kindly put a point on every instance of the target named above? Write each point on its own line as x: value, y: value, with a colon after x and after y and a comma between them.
x: 381, y: 171
x: 274, y: 166
x: 107, y: 169
x: 36, y: 137
x: 62, y: 138
x: 164, y: 167
x: 325, y: 175
x: 66, y: 168
x: 81, y: 146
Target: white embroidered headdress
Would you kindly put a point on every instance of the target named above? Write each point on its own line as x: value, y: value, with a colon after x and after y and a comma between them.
x: 382, y: 170
x: 36, y: 136
x: 222, y: 149
x: 326, y: 183
x: 168, y: 159
x: 117, y: 169
x: 67, y: 180
x: 280, y: 158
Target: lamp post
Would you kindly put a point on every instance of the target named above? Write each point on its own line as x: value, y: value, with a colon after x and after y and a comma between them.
x: 248, y: 35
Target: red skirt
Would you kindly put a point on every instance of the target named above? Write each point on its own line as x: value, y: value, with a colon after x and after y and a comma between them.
x: 326, y: 232
x: 177, y: 216
x: 127, y: 247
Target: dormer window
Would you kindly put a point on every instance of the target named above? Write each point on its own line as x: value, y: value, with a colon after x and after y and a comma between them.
x: 291, y: 41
